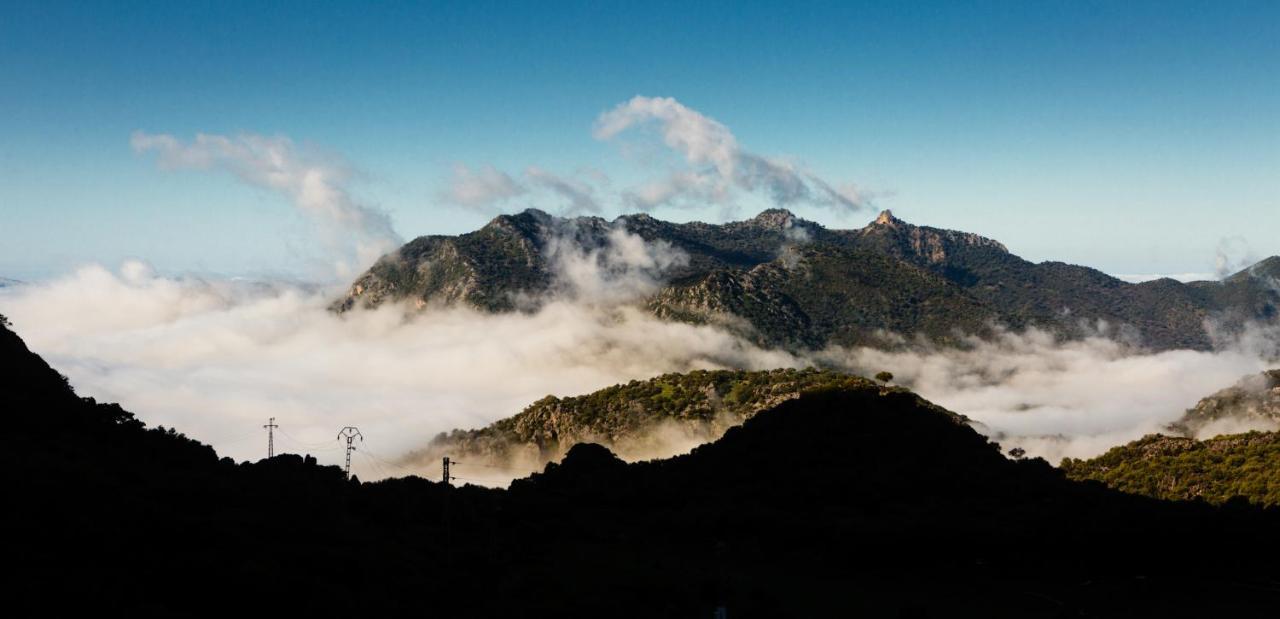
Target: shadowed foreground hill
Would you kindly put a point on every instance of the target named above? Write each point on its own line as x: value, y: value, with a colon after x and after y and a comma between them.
x: 856, y: 501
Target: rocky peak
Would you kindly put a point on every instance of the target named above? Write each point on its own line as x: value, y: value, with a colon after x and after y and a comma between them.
x: 777, y: 218
x: 886, y: 218
x: 524, y: 221
x: 933, y: 245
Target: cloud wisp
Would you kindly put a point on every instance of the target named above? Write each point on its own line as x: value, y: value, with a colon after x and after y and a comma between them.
x: 482, y: 189
x: 717, y: 167
x: 713, y: 171
x: 317, y: 186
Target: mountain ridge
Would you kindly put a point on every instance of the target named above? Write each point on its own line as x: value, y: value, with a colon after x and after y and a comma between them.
x: 779, y: 280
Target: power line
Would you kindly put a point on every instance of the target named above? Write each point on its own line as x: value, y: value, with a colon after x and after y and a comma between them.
x: 375, y: 456
x: 328, y: 445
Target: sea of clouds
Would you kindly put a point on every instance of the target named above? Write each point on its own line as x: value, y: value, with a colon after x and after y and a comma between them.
x: 217, y: 357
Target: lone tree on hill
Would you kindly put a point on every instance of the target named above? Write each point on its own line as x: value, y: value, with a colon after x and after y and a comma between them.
x: 884, y: 377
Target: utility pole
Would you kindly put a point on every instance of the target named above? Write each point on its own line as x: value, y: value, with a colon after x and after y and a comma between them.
x: 271, y: 439
x: 350, y: 433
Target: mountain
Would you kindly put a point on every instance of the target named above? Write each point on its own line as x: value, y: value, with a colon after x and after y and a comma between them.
x: 784, y: 281
x: 1251, y: 403
x: 640, y: 419
x: 1178, y: 468
x: 851, y: 500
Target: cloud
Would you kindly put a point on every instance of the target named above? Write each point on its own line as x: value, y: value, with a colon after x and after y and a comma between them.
x: 487, y: 189
x: 623, y: 269
x: 714, y: 171
x: 216, y: 357
x: 1065, y: 398
x: 717, y: 166
x: 316, y: 186
x: 482, y: 189
x: 1232, y: 256
x: 581, y: 195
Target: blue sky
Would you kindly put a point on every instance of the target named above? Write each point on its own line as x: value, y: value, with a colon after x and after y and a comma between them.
x: 1134, y: 137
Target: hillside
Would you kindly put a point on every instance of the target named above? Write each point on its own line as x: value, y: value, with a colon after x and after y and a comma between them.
x: 638, y: 420
x: 1177, y: 468
x: 848, y: 501
x: 1252, y: 403
x: 784, y: 281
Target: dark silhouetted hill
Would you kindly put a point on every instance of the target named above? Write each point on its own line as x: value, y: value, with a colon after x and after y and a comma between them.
x: 852, y: 501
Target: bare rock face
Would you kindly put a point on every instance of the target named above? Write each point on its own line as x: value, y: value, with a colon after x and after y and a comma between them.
x: 931, y: 245
x: 1251, y: 404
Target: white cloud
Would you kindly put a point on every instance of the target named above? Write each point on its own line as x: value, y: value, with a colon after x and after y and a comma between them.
x: 580, y: 195
x: 717, y: 166
x: 1058, y: 399
x: 483, y: 189
x: 215, y: 358
x: 1232, y: 256
x: 315, y: 185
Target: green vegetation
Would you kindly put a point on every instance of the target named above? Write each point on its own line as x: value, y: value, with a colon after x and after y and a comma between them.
x: 1215, y: 470
x: 780, y: 287
x: 702, y: 403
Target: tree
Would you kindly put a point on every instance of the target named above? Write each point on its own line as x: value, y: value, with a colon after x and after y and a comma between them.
x: 884, y: 377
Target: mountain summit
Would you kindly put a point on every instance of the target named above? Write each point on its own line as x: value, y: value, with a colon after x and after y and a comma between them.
x: 783, y: 281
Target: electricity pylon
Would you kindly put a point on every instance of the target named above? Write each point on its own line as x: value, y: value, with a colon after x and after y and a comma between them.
x: 447, y: 463
x: 350, y: 433
x: 271, y: 439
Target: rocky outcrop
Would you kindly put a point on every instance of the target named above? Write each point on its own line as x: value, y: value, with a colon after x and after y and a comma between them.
x: 922, y: 243
x: 1253, y: 403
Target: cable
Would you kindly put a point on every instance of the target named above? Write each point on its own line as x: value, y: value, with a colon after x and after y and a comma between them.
x: 329, y: 445
x: 232, y: 439
x: 368, y: 452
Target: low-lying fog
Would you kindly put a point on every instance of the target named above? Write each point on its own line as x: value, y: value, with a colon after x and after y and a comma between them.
x: 216, y: 358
